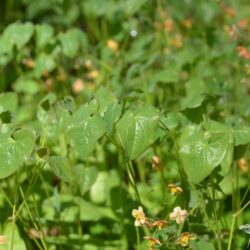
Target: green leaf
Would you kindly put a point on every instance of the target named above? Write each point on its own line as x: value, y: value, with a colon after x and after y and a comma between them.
x: 170, y: 75
x: 216, y: 127
x: 85, y: 128
x: 85, y: 177
x: 70, y: 42
x: 112, y: 115
x: 196, y: 93
x: 136, y: 130
x: 44, y: 112
x: 61, y: 167
x: 70, y: 209
x: 16, y: 238
x: 44, y: 63
x: 43, y: 34
x: 14, y: 150
x: 201, y: 151
x: 6, y: 52
x: 202, y: 244
x: 171, y: 121
x: 8, y: 102
x: 241, y: 136
x: 18, y: 34
x: 104, y: 98
x: 26, y: 85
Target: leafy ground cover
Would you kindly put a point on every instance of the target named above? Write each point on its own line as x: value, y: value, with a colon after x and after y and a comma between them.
x: 124, y: 124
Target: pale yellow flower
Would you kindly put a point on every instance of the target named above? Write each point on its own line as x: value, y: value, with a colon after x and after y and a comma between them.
x: 88, y: 64
x: 152, y: 242
x: 174, y: 189
x: 178, y: 215
x: 113, y: 45
x: 93, y: 74
x: 184, y: 239
x: 139, y: 216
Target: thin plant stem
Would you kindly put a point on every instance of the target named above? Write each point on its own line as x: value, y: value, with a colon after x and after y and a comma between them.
x: 138, y: 238
x: 235, y: 215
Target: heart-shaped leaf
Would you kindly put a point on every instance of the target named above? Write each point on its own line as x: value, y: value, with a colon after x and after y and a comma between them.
x: 136, y: 130
x: 241, y: 136
x: 216, y: 127
x: 70, y: 42
x: 61, y: 167
x: 13, y: 151
x: 85, y: 128
x: 201, y: 151
x: 18, y: 33
x: 43, y: 34
x: 84, y: 177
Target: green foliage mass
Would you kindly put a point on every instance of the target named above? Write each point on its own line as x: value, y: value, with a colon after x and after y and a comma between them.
x: 106, y: 106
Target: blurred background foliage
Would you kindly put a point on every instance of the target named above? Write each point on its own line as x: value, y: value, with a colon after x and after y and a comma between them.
x: 188, y: 58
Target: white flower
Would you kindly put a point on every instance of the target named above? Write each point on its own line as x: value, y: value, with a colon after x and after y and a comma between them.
x: 178, y: 215
x: 139, y: 216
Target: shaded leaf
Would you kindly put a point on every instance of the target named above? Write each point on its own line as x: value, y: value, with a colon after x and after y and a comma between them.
x: 61, y: 167
x: 85, y: 177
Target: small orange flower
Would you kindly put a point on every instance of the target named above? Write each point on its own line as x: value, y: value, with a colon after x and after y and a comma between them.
x: 178, y: 215
x: 3, y: 239
x: 184, y: 239
x: 229, y: 11
x: 177, y: 41
x: 139, y: 216
x: 152, y: 242
x: 243, y: 23
x: 243, y: 165
x: 159, y: 223
x: 174, y: 189
x: 78, y: 86
x: 243, y: 52
x: 232, y: 31
x: 169, y: 25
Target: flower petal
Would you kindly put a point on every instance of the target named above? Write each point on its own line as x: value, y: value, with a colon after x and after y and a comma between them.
x: 134, y: 212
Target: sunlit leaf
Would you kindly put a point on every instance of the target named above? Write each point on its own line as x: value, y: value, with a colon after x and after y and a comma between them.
x: 202, y: 151
x: 18, y: 34
x: 44, y: 32
x: 70, y: 42
x: 85, y: 128
x: 136, y: 130
x: 13, y: 151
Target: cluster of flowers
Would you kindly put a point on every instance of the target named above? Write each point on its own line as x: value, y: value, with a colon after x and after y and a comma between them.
x: 178, y: 215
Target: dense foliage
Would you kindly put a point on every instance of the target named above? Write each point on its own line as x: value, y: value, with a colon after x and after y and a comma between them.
x: 124, y: 124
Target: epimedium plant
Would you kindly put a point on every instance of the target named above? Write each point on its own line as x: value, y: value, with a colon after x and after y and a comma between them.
x: 92, y: 99
x: 67, y: 135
